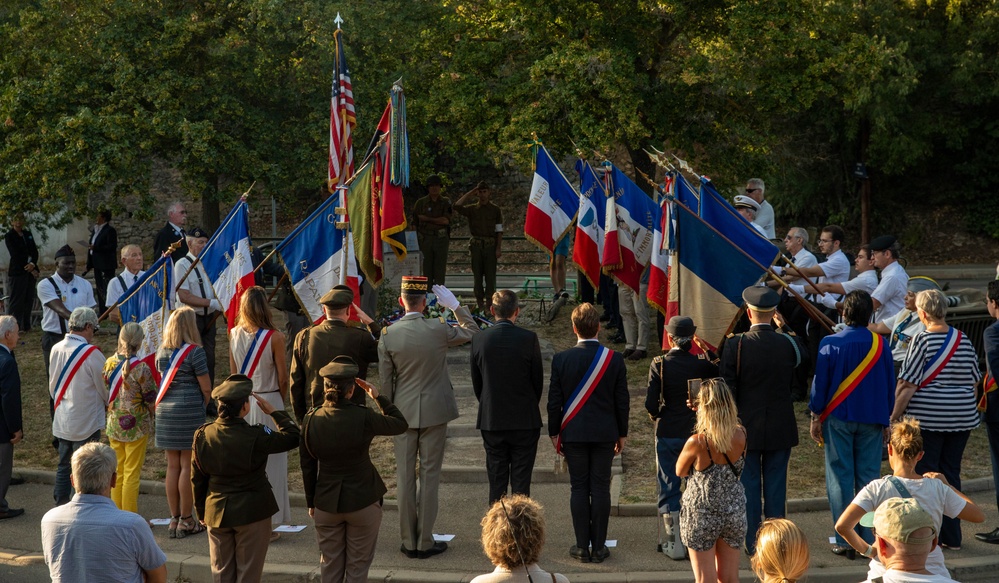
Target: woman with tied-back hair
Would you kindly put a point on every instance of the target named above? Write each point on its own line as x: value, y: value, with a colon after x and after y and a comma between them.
x: 256, y: 349
x: 180, y: 410
x: 513, y: 534
x: 781, y: 552
x: 930, y: 490
x: 713, y: 505
x: 130, y: 414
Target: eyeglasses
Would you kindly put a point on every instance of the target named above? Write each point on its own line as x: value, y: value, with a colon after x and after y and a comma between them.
x: 752, y: 189
x: 825, y: 240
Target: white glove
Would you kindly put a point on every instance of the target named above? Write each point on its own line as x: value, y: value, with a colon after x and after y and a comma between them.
x: 446, y: 298
x: 839, y: 327
x: 215, y: 305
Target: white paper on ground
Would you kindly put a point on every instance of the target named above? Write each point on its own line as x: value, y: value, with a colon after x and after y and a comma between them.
x: 443, y: 538
x: 160, y: 522
x: 611, y: 543
x: 290, y: 528
x: 832, y: 540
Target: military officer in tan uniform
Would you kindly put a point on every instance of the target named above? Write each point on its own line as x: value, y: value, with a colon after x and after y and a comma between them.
x: 485, y: 222
x: 231, y: 491
x: 433, y: 231
x: 412, y: 366
x: 315, y: 347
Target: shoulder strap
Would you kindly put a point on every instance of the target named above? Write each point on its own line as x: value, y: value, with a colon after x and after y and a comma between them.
x: 121, y: 282
x: 731, y: 466
x: 794, y: 345
x: 58, y: 293
x: 738, y: 357
x: 902, y: 490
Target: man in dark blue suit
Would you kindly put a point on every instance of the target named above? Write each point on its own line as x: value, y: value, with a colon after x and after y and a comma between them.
x: 588, y: 423
x: 991, y: 416
x: 508, y: 378
x: 10, y: 410
x: 102, y: 256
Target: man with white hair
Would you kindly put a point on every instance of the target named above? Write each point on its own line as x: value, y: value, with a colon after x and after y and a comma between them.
x: 131, y: 260
x: 172, y: 232
x: 79, y: 394
x: 89, y: 539
x: 904, y: 536
x: 11, y: 426
x: 765, y: 215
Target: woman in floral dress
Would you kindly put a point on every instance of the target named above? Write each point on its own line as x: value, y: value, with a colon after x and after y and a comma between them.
x: 130, y: 416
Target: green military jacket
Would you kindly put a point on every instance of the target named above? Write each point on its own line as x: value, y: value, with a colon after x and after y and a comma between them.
x: 482, y: 219
x: 314, y: 348
x: 228, y: 466
x: 439, y: 208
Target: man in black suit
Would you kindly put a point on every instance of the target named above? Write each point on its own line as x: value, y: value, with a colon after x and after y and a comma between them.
x: 172, y: 232
x: 102, y: 256
x: 10, y: 410
x: 507, y: 377
x: 22, y: 271
x: 991, y: 415
x: 588, y: 424
x: 759, y: 368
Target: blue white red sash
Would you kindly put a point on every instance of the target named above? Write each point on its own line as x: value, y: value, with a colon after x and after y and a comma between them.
x: 585, y: 388
x: 942, y: 356
x: 261, y: 341
x: 70, y: 369
x: 117, y: 378
x: 178, y: 356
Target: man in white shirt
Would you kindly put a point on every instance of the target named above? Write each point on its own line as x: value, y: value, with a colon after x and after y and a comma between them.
x: 59, y: 295
x: 197, y: 292
x: 904, y: 536
x: 79, y: 393
x: 796, y: 243
x: 889, y: 296
x: 131, y: 259
x: 866, y: 280
x: 765, y: 215
x: 900, y: 328
x: 748, y: 208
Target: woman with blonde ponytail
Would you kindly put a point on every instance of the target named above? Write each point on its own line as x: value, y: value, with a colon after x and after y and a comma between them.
x: 713, y: 505
x: 781, y: 552
x: 130, y: 416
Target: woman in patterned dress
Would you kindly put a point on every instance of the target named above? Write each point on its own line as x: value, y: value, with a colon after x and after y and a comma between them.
x: 179, y: 413
x: 256, y: 349
x: 130, y: 416
x: 713, y: 505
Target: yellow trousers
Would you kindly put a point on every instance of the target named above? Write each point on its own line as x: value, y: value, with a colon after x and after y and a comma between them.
x: 131, y: 456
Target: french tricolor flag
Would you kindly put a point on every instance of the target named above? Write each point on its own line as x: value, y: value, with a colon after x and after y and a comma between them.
x: 587, y: 248
x: 148, y: 302
x: 553, y: 203
x: 226, y: 258
x: 631, y: 220
x: 658, y: 293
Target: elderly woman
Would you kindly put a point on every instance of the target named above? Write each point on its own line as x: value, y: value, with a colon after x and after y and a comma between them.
x: 713, y: 512
x: 231, y: 490
x: 131, y: 390
x: 513, y: 534
x: 781, y: 552
x: 342, y: 487
x: 937, y: 387
x: 666, y: 402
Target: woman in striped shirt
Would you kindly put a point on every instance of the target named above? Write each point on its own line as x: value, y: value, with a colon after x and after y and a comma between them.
x: 937, y: 387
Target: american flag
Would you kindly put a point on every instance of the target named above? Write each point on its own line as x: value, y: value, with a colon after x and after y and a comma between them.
x: 342, y: 119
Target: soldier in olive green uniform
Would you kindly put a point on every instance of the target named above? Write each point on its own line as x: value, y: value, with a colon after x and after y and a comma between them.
x: 315, y: 347
x: 433, y: 231
x: 231, y: 491
x: 485, y: 222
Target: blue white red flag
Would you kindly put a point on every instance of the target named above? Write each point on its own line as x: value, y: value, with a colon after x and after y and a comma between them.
x: 227, y: 261
x: 148, y: 302
x: 589, y: 242
x: 552, y: 205
x: 312, y: 254
x: 342, y: 119
x: 658, y: 292
x: 631, y: 220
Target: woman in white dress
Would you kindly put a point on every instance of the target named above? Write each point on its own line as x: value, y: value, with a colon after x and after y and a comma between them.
x: 256, y: 349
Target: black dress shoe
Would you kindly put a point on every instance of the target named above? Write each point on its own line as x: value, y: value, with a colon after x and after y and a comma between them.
x: 11, y: 513
x: 409, y: 554
x: 627, y: 352
x: 437, y: 549
x: 848, y: 552
x: 16, y: 481
x: 598, y: 556
x: 637, y: 355
x: 989, y: 537
x: 619, y: 339
x: 581, y: 555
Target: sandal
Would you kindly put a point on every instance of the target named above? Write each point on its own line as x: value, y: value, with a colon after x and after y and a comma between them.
x: 172, y: 531
x: 188, y: 525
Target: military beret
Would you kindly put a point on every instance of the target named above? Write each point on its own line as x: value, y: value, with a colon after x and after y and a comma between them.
x: 198, y: 233
x: 338, y: 298
x: 414, y: 284
x: 883, y: 242
x: 234, y: 388
x: 681, y: 326
x: 434, y: 180
x: 65, y: 251
x: 743, y: 201
x: 922, y: 283
x: 760, y: 298
x: 341, y: 367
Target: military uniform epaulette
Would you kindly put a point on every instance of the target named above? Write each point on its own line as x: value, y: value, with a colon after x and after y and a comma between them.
x: 384, y: 330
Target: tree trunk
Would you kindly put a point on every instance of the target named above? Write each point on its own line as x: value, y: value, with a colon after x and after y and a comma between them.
x: 210, y: 218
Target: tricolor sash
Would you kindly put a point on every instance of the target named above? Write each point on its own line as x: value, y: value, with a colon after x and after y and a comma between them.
x: 585, y: 388
x: 70, y: 369
x: 988, y: 385
x: 260, y: 343
x: 942, y: 356
x: 858, y: 374
x: 178, y: 356
x: 117, y: 379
